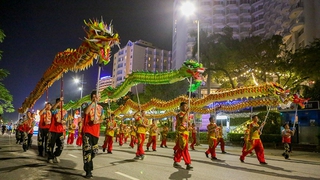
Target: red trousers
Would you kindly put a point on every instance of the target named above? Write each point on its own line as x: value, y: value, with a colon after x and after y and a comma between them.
x: 194, y: 140
x: 121, y: 136
x: 70, y: 138
x: 258, y: 148
x: 212, y: 150
x: 108, y: 143
x: 164, y: 142
x: 141, y: 139
x: 221, y: 142
x: 182, y: 152
x: 152, y: 141
x: 133, y: 141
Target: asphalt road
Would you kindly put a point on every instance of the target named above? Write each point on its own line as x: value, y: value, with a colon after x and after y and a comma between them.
x: 18, y: 165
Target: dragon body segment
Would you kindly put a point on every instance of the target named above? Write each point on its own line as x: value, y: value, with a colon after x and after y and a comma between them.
x: 100, y: 38
x: 188, y: 69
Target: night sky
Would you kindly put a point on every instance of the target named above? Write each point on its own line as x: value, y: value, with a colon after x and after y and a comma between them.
x: 37, y: 30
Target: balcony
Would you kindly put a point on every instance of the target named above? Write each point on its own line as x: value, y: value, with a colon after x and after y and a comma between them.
x: 286, y: 35
x: 298, y: 25
x: 295, y: 12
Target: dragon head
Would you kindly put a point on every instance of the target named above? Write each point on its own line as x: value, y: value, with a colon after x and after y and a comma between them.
x: 191, y: 68
x: 101, y: 38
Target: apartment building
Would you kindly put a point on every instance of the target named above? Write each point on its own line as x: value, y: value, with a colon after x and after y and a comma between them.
x: 139, y: 56
x: 104, y: 82
x: 296, y: 20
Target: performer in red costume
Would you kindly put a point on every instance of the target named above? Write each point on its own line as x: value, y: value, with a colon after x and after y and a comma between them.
x: 91, y: 133
x: 181, y: 146
x: 246, y: 142
x: 142, y: 125
x: 152, y: 136
x: 286, y: 140
x: 44, y: 125
x: 164, y: 135
x: 56, y: 131
x: 111, y: 125
x: 255, y: 141
x: 193, y: 132
x: 220, y: 139
x: 212, y: 139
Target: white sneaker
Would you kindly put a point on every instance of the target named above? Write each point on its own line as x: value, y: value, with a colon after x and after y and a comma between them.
x: 56, y: 160
x: 50, y: 161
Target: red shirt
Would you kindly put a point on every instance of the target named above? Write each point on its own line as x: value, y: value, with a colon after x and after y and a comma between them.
x: 88, y: 126
x: 45, y: 120
x: 286, y: 136
x: 57, y: 126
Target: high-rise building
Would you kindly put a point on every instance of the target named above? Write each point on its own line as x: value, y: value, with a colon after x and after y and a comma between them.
x: 139, y: 56
x: 104, y: 82
x: 296, y: 20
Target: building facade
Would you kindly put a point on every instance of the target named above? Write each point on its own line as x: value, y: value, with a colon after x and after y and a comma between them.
x: 104, y: 82
x: 296, y: 20
x: 139, y: 56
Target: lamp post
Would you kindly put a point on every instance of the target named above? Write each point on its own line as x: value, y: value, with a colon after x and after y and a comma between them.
x: 189, y: 9
x: 76, y: 80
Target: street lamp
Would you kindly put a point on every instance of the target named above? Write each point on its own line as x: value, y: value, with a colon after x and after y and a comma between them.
x: 189, y: 9
x: 76, y: 80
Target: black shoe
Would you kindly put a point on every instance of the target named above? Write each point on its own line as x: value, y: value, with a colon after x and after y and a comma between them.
x: 263, y: 163
x: 161, y: 146
x: 207, y: 155
x: 147, y: 149
x: 223, y: 152
x: 154, y: 150
x: 189, y: 167
x: 176, y: 165
x: 241, y: 160
x: 109, y: 152
x: 142, y: 157
x: 88, y: 175
x: 283, y: 154
x: 166, y: 146
x: 286, y: 156
x: 214, y: 158
x: 137, y: 157
x: 104, y: 150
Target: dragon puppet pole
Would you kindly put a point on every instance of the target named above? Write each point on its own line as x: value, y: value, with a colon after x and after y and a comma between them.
x: 97, y: 92
x: 138, y: 99
x: 265, y: 118
x: 189, y: 100
x: 61, y: 96
x: 295, y: 118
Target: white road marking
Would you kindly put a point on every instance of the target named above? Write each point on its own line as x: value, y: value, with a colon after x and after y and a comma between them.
x: 127, y: 176
x: 72, y: 155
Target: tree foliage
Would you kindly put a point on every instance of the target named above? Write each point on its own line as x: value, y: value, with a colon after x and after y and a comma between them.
x: 5, y: 96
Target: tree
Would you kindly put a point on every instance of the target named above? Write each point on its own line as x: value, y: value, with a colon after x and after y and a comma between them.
x: 5, y: 96
x: 164, y: 92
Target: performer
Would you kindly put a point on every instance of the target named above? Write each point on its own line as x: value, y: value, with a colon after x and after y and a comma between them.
x: 121, y: 133
x: 152, y: 136
x: 111, y: 125
x: 181, y: 147
x: 164, y: 134
x: 220, y: 139
x: 44, y: 125
x: 116, y: 133
x: 133, y: 134
x: 56, y: 131
x: 286, y: 139
x: 212, y: 138
x: 193, y: 132
x: 142, y: 123
x: 126, y: 133
x: 71, y: 134
x: 91, y: 133
x: 30, y: 133
x: 255, y: 141
x: 246, y: 142
x: 25, y: 129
